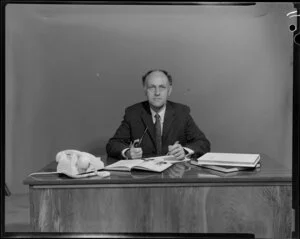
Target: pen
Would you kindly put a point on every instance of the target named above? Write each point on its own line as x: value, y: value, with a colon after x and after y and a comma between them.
x: 137, y: 143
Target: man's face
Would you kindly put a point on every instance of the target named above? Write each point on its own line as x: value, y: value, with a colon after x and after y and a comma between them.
x: 157, y: 89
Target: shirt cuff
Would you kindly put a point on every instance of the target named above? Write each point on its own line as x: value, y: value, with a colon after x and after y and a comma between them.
x: 189, y: 151
x: 123, y: 153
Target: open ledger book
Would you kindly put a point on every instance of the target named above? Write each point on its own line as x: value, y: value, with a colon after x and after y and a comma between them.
x: 229, y: 160
x: 154, y: 164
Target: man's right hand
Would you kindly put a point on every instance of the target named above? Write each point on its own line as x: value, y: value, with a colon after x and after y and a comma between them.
x: 134, y: 153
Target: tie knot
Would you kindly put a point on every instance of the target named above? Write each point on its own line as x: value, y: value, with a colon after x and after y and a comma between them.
x: 157, y: 117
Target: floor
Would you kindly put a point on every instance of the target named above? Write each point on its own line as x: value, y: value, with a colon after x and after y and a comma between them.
x: 17, y: 213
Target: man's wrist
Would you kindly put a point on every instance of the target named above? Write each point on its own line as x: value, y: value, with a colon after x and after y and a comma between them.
x: 125, y: 153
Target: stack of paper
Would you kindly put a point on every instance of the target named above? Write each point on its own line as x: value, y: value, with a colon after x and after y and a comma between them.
x: 229, y: 159
x: 226, y: 169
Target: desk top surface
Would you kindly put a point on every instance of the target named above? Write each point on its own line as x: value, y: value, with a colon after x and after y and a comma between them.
x: 270, y: 173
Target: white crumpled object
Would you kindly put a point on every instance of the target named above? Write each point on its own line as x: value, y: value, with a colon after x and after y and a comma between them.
x: 79, y: 164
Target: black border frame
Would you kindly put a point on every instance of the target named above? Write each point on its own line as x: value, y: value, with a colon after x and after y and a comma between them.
x: 295, y: 124
x: 296, y: 127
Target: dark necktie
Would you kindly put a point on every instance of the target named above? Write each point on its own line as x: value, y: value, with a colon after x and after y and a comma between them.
x: 158, y: 134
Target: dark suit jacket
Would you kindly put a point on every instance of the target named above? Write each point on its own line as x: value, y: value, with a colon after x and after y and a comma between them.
x: 178, y: 126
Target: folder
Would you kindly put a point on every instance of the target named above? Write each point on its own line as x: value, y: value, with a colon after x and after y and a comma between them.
x: 229, y: 159
x: 225, y: 169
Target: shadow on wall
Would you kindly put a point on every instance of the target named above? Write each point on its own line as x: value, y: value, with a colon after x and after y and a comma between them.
x: 97, y: 147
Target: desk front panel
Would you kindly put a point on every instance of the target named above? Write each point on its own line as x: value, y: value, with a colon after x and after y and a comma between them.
x: 184, y: 198
x: 262, y: 210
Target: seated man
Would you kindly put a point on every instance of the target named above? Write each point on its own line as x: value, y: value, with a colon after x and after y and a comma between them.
x: 158, y: 125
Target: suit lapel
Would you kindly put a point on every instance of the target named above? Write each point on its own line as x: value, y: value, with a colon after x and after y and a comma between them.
x: 168, y: 120
x: 147, y: 119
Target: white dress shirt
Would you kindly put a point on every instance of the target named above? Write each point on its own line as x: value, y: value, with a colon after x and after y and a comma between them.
x: 161, y: 115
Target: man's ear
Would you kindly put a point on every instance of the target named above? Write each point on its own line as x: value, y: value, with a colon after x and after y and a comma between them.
x: 145, y: 90
x: 170, y: 91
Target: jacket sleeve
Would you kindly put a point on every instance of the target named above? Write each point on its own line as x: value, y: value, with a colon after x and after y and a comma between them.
x: 196, y: 139
x: 120, y: 140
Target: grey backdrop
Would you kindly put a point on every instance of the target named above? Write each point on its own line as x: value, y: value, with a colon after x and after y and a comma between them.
x: 72, y: 69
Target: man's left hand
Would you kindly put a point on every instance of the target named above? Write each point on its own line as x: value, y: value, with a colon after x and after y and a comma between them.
x: 177, y: 151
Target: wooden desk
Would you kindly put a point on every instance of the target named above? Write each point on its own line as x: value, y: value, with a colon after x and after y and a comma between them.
x: 184, y: 198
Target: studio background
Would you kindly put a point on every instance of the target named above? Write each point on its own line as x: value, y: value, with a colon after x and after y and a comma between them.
x: 72, y: 69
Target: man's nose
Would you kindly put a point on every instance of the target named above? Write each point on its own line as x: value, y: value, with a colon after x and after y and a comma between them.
x: 157, y: 91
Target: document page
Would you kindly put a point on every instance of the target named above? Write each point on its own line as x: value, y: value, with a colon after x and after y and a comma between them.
x: 124, y: 165
x: 156, y: 164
